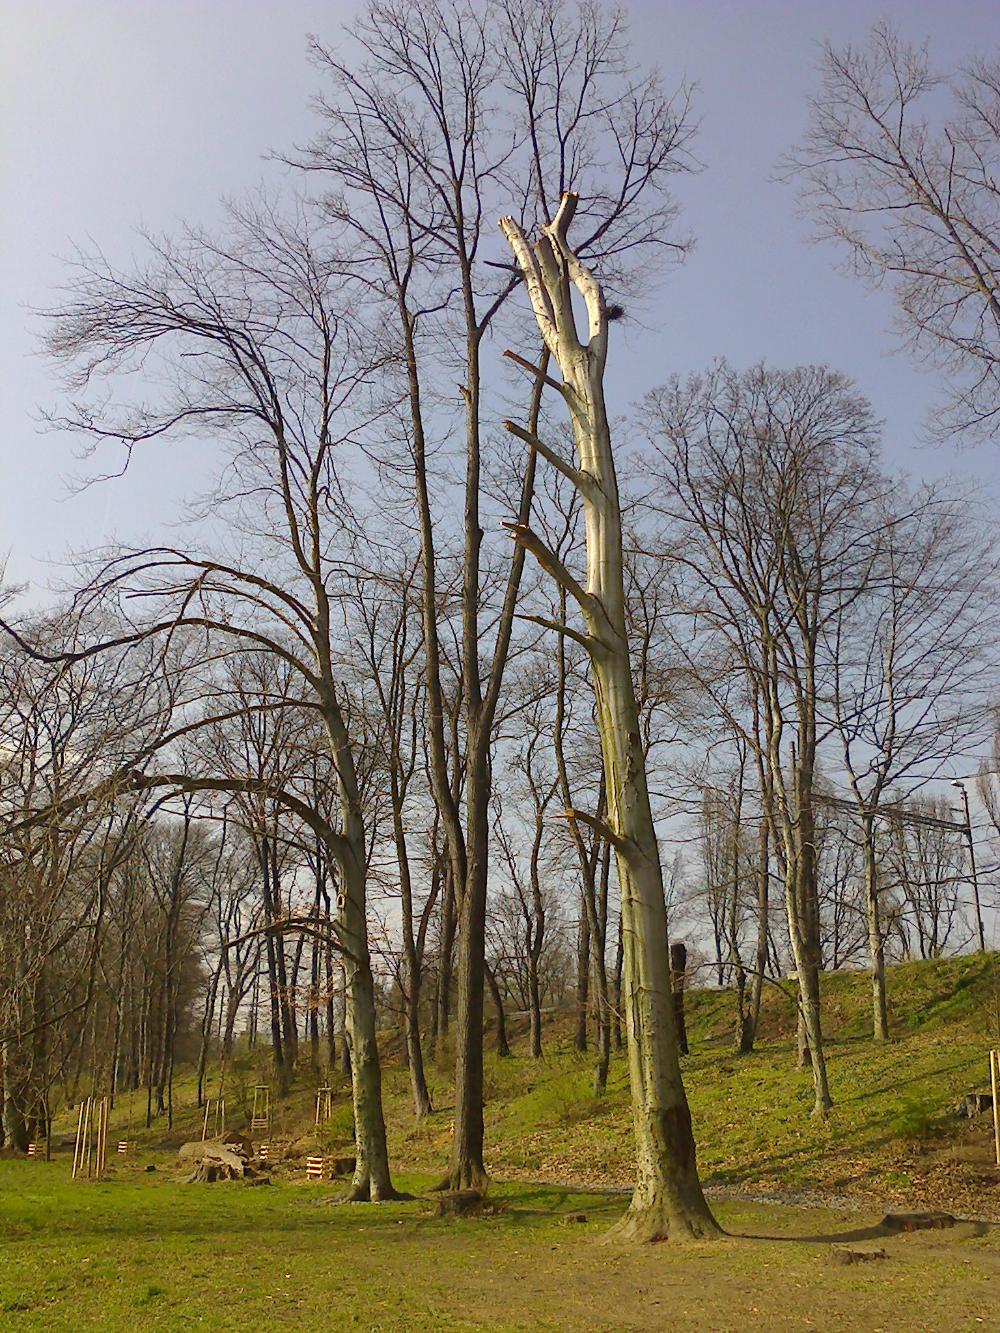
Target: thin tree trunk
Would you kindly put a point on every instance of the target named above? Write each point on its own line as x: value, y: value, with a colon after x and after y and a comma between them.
x: 678, y: 976
x: 876, y: 942
x: 502, y: 1045
x: 582, y: 977
x: 760, y: 956
x: 442, y: 1002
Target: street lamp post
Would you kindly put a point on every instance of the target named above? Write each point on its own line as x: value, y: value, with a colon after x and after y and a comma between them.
x: 972, y: 863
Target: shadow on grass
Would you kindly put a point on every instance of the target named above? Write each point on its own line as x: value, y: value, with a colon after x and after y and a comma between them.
x: 971, y: 1230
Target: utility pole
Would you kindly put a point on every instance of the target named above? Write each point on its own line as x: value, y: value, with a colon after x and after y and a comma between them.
x: 972, y: 863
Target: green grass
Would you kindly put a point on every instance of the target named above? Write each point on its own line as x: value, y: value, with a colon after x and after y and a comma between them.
x: 751, y: 1114
x: 145, y: 1250
x: 149, y: 1252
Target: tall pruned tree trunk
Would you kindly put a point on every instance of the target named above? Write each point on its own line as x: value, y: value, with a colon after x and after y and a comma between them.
x: 667, y: 1200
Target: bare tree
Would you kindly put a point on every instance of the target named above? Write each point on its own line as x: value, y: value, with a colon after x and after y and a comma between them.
x: 448, y: 109
x: 768, y: 483
x: 254, y: 342
x: 668, y: 1199
x: 928, y: 858
x: 900, y: 165
x: 909, y: 672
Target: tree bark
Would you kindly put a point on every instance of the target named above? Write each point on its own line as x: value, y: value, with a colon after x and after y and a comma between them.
x: 502, y: 1044
x: 876, y: 941
x: 667, y: 1200
x: 582, y: 975
x: 678, y: 977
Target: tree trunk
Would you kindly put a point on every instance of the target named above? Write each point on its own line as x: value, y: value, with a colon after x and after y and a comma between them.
x: 760, y: 956
x: 601, y: 976
x: 372, y: 1180
x: 442, y: 999
x: 876, y: 942
x: 619, y: 966
x: 582, y: 978
x: 502, y: 1045
x: 667, y: 1200
x: 678, y: 976
x: 534, y: 1009
x: 467, y: 1168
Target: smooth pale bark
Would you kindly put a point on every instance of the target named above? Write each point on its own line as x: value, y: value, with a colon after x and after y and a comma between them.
x: 667, y: 1200
x: 791, y: 818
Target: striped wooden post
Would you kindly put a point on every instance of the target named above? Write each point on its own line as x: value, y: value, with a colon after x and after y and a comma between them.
x: 34, y: 1149
x: 123, y: 1146
x: 314, y: 1168
x: 262, y: 1152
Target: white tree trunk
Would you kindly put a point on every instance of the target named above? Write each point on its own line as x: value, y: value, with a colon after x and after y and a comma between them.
x: 668, y: 1199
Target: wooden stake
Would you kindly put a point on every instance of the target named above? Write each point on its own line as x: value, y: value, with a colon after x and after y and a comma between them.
x: 76, y: 1146
x: 88, y: 1136
x: 102, y: 1107
x: 995, y: 1084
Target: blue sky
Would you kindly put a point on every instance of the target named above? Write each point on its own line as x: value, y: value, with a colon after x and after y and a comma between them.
x: 118, y: 112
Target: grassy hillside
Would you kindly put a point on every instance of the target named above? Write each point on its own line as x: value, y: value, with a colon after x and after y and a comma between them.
x: 892, y: 1134
x: 143, y: 1249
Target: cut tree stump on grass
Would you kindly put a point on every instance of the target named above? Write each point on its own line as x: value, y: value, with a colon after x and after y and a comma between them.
x: 215, y: 1160
x: 207, y: 1173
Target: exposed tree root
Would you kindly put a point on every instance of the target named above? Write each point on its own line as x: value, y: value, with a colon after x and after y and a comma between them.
x: 468, y: 1176
x: 364, y: 1192
x: 658, y: 1220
